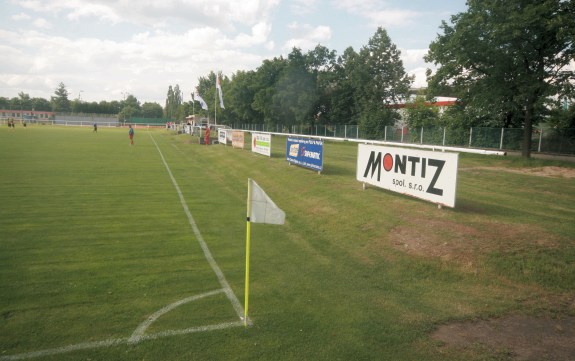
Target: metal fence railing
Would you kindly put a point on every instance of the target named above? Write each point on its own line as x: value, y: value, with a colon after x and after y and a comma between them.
x: 545, y: 140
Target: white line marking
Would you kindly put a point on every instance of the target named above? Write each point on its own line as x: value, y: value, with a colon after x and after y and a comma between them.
x: 118, y: 341
x: 139, y: 332
x: 223, y: 282
x: 186, y: 331
x: 66, y: 349
x: 138, y: 335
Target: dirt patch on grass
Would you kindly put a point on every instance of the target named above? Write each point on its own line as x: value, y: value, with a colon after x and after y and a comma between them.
x: 466, y: 244
x: 516, y: 337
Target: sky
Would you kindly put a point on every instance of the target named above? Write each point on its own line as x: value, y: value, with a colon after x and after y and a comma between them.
x: 107, y: 49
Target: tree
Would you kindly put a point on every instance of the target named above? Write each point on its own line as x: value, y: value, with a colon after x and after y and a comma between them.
x: 152, y: 110
x: 419, y: 113
x: 173, y: 102
x: 130, y: 108
x: 240, y: 96
x: 59, y: 101
x: 25, y: 101
x: 507, y: 58
x: 295, y: 91
x: 379, y: 79
x: 266, y: 77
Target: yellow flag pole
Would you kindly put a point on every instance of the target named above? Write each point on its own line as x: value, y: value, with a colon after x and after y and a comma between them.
x: 248, y: 232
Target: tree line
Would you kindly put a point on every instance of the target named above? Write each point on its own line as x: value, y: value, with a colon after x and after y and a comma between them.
x: 507, y: 62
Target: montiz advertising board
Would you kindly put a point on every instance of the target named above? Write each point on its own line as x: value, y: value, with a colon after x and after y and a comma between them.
x: 423, y: 174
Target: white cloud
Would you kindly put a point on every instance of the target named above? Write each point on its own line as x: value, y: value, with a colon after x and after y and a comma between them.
x: 420, y: 80
x: 21, y: 17
x: 378, y: 13
x: 413, y: 57
x: 303, y: 7
x: 305, y: 36
x: 144, y: 65
x: 153, y: 13
x: 42, y: 23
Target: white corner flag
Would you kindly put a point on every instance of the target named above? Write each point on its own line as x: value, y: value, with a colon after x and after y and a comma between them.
x: 261, y: 209
x: 201, y: 100
x: 219, y: 87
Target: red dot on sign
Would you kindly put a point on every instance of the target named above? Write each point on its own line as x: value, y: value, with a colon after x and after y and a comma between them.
x: 387, y: 162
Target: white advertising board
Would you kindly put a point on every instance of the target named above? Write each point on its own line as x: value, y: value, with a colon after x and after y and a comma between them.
x: 223, y: 136
x: 262, y: 143
x: 423, y: 174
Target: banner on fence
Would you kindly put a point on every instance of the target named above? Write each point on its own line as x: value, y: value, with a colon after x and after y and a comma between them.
x: 423, y: 174
x: 262, y: 143
x: 223, y: 136
x: 237, y: 139
x: 306, y: 153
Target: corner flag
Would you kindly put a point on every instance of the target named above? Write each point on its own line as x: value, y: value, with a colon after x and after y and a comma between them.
x: 261, y: 209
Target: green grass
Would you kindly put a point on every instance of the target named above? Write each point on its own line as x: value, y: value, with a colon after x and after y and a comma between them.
x: 94, y: 240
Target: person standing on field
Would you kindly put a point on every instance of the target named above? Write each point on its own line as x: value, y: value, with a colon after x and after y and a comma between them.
x: 207, y: 135
x: 131, y: 134
x: 95, y: 127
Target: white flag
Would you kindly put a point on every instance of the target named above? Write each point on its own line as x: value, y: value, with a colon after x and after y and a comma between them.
x: 219, y: 87
x: 264, y: 210
x: 201, y: 100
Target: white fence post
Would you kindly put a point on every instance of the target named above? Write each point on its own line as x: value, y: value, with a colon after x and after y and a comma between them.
x: 501, y: 141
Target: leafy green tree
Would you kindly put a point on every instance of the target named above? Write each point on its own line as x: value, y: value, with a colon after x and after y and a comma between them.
x: 59, y: 101
x: 322, y: 64
x: 130, y: 108
x: 340, y: 90
x: 418, y: 113
x: 507, y: 58
x: 266, y: 77
x: 41, y: 104
x: 152, y: 110
x: 295, y: 91
x: 240, y: 96
x: 25, y: 101
x: 379, y: 79
x: 173, y: 101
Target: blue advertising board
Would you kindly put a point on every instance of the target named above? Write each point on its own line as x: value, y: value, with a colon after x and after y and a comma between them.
x: 305, y: 152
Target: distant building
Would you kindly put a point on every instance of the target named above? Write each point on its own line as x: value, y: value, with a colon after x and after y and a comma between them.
x: 29, y: 115
x: 442, y: 103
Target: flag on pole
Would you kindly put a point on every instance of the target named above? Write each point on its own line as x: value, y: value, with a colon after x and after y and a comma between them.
x: 201, y: 100
x: 261, y: 209
x: 219, y: 87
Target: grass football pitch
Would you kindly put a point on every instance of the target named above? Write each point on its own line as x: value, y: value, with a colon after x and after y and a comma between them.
x: 100, y: 257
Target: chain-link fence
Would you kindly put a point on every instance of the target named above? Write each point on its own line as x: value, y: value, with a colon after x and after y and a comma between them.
x: 561, y: 141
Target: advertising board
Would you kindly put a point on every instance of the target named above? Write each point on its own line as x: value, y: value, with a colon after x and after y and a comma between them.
x: 223, y: 136
x: 237, y: 139
x: 306, y: 153
x: 262, y: 143
x: 423, y: 174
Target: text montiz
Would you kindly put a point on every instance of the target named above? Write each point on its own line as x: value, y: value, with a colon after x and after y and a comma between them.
x: 400, y: 163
